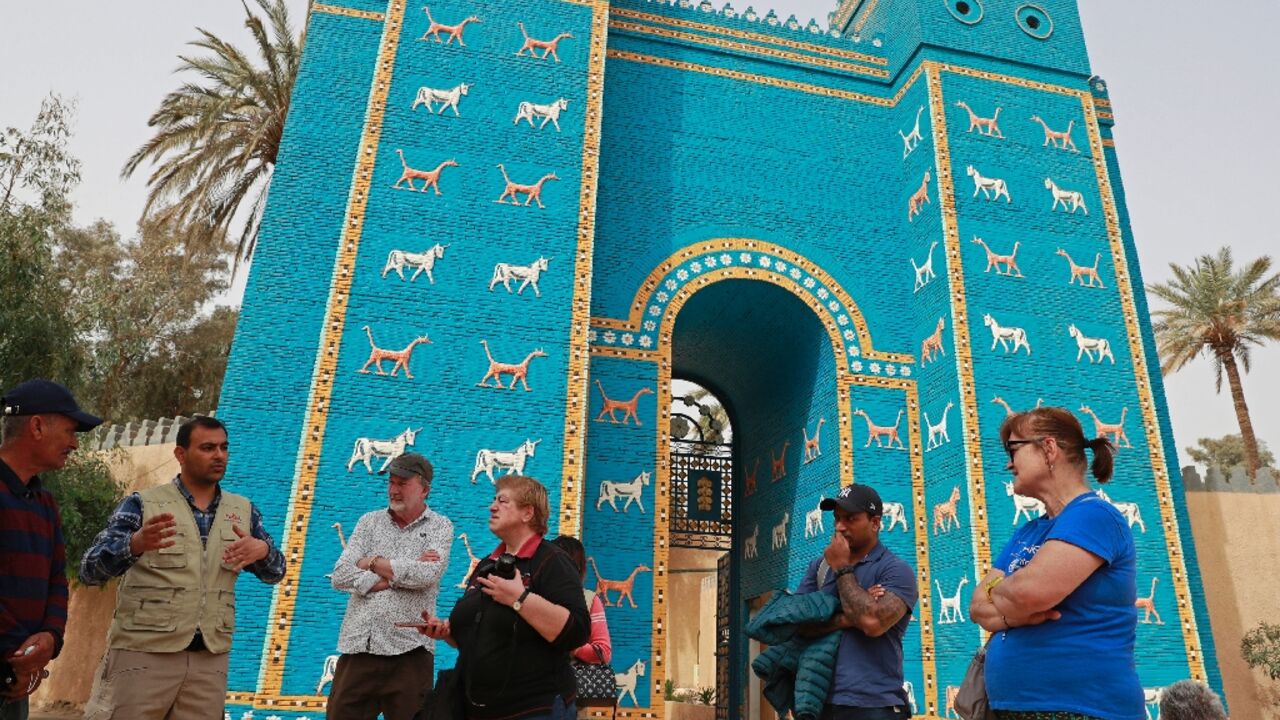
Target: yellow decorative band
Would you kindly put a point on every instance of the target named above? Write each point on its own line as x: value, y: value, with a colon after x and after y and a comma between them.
x: 349, y: 12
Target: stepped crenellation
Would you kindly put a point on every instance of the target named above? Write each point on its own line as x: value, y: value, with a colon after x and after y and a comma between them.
x: 769, y: 21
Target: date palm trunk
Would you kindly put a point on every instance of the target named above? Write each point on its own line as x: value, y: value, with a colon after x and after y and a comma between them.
x: 1228, y: 359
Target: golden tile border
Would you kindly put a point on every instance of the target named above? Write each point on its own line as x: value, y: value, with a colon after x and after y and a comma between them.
x: 861, y: 22
x: 626, y: 353
x: 751, y: 36
x: 348, y: 12
x: 1146, y: 397
x: 1108, y: 142
x: 731, y: 245
x: 284, y: 595
x: 1105, y: 115
x: 577, y: 388
x: 924, y: 577
x: 844, y: 11
x: 960, y: 330
x: 747, y: 77
x: 749, y: 48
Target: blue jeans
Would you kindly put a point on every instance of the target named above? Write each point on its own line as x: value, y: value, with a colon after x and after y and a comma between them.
x: 559, y: 711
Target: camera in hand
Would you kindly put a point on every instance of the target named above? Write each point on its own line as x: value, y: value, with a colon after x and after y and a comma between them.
x: 8, y: 678
x: 504, y: 567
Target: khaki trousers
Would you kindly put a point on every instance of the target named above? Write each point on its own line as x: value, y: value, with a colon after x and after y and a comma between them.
x: 186, y: 685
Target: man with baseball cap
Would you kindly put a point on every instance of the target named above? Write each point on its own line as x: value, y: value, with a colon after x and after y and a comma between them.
x: 877, y: 591
x: 39, y: 420
x: 391, y: 567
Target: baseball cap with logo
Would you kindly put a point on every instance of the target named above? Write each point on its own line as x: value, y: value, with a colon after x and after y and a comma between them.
x: 40, y: 397
x: 855, y: 498
x: 408, y: 465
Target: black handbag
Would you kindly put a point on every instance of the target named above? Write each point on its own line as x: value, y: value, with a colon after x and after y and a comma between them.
x: 596, y: 682
x: 971, y: 701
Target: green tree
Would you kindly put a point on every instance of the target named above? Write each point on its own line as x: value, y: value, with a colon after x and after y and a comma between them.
x: 87, y: 493
x: 1217, y: 310
x: 217, y: 138
x: 1261, y: 649
x: 1227, y: 452
x: 37, y: 338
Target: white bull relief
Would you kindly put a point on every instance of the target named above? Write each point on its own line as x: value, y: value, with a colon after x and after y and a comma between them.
x: 366, y: 449
x: 512, y: 462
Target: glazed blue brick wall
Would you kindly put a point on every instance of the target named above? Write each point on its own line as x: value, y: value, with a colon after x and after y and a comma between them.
x: 684, y: 157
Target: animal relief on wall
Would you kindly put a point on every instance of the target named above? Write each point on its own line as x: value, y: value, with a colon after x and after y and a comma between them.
x: 1060, y: 139
x: 1005, y: 265
x: 399, y: 358
x: 452, y: 32
x: 423, y: 262
x: 911, y: 140
x: 517, y: 371
x: 932, y: 344
x: 1068, y: 200
x: 1023, y: 506
x: 778, y: 468
x: 938, y: 433
x: 327, y: 672
x: 989, y: 127
x: 610, y: 406
x: 751, y: 546
x: 548, y: 47
x: 622, y: 587
x: 627, y: 682
x: 924, y: 273
x: 472, y: 560
x: 506, y: 463
x: 1131, y: 511
x: 886, y: 433
x: 895, y: 514
x: 1009, y: 338
x: 813, y: 526
x: 526, y: 275
x: 751, y: 478
x: 630, y: 490
x: 917, y: 200
x: 1096, y: 349
x: 548, y: 113
x: 429, y: 178
x: 1112, y: 431
x: 990, y: 187
x: 949, y: 609
x: 1008, y: 411
x: 779, y: 537
x: 366, y: 449
x: 813, y: 445
x: 532, y: 192
x: 1083, y: 273
x: 448, y: 99
x: 1148, y: 605
x: 946, y: 515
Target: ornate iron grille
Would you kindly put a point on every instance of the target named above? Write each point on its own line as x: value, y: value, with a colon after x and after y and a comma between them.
x: 701, y: 495
x: 724, y: 596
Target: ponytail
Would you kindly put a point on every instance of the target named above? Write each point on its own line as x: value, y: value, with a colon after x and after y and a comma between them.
x: 1104, y: 454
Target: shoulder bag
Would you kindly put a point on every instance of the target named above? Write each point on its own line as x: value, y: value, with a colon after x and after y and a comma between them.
x: 971, y: 701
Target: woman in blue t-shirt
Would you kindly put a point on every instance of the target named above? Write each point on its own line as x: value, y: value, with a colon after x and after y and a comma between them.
x: 1060, y: 597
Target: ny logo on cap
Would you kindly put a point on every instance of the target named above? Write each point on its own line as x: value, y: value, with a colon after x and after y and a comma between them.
x: 846, y: 491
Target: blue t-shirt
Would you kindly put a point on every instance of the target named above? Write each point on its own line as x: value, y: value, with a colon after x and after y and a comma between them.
x: 1082, y: 662
x: 869, y: 669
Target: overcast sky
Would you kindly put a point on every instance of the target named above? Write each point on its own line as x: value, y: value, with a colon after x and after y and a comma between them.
x: 1194, y: 90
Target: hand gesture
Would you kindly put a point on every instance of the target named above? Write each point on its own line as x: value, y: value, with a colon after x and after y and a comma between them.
x: 503, y: 591
x: 435, y: 628
x: 154, y: 534
x: 245, y: 551
x: 837, y: 552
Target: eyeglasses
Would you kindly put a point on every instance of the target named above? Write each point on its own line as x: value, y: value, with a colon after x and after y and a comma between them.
x: 1011, y: 446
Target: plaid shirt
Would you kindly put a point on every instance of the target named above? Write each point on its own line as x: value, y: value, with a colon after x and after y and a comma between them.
x: 110, y: 556
x: 33, y: 578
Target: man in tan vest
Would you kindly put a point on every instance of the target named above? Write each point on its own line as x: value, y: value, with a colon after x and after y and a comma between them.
x: 180, y: 547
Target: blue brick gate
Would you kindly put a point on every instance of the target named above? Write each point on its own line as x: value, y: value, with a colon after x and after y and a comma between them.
x: 488, y: 239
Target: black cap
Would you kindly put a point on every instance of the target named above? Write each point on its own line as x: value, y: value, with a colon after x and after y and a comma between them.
x: 408, y: 465
x: 38, y: 397
x: 855, y: 498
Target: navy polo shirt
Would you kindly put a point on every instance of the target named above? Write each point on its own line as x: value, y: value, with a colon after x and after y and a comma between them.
x: 869, y: 669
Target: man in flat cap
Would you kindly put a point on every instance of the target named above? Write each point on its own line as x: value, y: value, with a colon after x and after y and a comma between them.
x: 38, y: 429
x: 877, y: 591
x: 180, y: 547
x: 391, y: 567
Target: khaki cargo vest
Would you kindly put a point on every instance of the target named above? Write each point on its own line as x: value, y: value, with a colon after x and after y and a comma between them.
x: 171, y: 593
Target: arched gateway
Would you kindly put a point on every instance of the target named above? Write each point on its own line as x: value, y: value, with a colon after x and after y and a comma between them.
x: 503, y: 259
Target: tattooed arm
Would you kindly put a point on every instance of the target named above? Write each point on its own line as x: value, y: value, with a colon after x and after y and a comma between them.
x: 873, y: 616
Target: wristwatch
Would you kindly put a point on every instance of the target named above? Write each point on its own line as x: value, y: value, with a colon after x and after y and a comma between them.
x: 519, y: 603
x: 846, y: 570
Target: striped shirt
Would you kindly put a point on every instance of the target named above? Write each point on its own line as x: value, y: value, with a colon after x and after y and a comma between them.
x: 110, y: 555
x: 33, y: 579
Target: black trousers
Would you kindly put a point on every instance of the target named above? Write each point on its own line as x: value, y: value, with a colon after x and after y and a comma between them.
x: 845, y: 712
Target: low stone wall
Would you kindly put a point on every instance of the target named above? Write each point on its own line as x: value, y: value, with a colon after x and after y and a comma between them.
x: 89, y: 614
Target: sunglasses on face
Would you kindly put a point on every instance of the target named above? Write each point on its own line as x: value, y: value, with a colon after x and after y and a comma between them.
x: 1011, y: 446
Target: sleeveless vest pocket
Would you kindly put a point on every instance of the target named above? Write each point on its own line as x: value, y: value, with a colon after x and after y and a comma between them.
x: 155, y: 608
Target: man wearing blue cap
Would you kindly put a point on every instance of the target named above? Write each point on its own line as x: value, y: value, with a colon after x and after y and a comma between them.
x: 877, y: 591
x: 39, y: 420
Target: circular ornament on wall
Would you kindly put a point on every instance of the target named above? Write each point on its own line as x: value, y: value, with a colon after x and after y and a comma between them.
x: 968, y: 12
x: 1034, y: 21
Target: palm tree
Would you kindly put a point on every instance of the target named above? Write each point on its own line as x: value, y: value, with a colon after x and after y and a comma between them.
x: 1224, y: 312
x: 217, y: 137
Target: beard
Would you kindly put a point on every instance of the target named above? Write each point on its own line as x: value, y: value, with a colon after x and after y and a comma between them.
x: 397, y: 505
